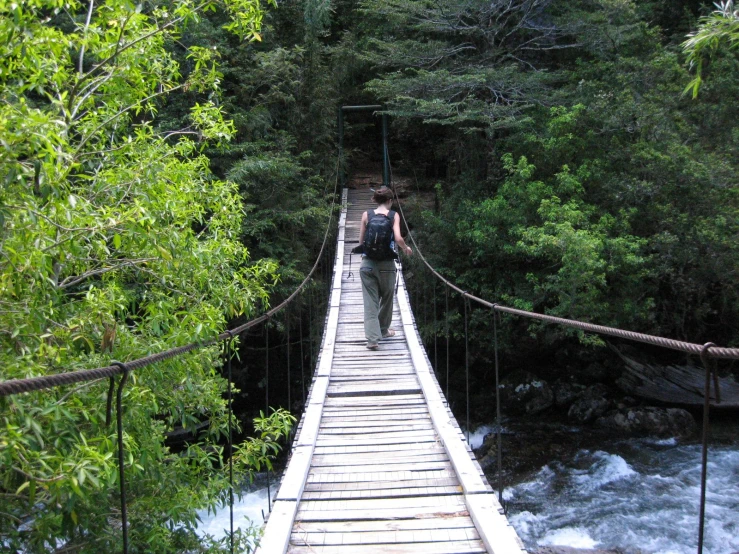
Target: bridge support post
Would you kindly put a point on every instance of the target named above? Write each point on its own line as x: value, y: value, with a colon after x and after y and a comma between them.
x: 385, y: 157
x: 121, y: 469
x: 340, y: 125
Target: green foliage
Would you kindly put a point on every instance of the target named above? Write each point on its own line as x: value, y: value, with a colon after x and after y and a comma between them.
x: 607, y: 198
x: 117, y: 241
x: 720, y: 28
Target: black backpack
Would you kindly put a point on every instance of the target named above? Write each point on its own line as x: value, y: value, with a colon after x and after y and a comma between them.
x: 378, y: 236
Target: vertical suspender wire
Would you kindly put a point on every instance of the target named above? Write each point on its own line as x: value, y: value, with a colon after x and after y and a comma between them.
x: 266, y: 398
x: 415, y: 291
x: 446, y: 294
x: 436, y: 342
x: 704, y: 450
x: 302, y: 361
x: 310, y: 327
x: 497, y: 409
x: 287, y: 325
x: 228, y: 345
x: 425, y: 290
x: 121, y: 469
x: 467, y: 365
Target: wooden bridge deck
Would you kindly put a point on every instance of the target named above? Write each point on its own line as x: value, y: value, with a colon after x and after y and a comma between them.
x: 379, y: 463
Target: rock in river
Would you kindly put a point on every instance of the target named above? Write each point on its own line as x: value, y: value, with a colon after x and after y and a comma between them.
x: 660, y: 422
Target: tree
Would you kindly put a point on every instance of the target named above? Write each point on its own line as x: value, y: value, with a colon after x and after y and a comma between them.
x: 715, y: 30
x: 116, y: 241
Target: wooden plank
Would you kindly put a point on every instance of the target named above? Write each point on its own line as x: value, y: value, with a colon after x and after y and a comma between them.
x: 343, y: 428
x: 395, y: 537
x: 379, y: 414
x: 387, y: 458
x: 387, y: 525
x: 379, y: 449
x: 370, y: 514
x: 378, y: 476
x: 467, y: 547
x: 384, y: 485
x: 374, y: 492
x: 381, y: 466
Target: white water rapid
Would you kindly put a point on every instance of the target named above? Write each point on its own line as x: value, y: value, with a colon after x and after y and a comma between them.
x: 636, y: 496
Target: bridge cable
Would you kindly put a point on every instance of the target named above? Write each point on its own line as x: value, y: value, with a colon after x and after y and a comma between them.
x: 121, y: 468
x: 446, y: 297
x: 302, y: 360
x: 467, y: 364
x: 710, y: 367
x: 287, y: 325
x: 498, y: 422
x: 266, y: 398
x: 310, y: 328
x: 436, y: 345
x: 228, y: 347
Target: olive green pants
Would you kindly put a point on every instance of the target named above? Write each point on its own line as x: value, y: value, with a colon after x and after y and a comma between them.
x: 378, y: 289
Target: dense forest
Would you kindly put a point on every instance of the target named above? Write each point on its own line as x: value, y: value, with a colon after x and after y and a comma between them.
x: 167, y: 172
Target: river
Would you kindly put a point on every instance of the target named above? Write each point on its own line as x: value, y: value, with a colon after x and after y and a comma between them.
x: 639, y: 496
x: 248, y: 511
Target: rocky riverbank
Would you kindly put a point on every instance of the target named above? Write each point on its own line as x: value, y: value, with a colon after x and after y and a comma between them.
x: 547, y: 422
x: 582, y: 428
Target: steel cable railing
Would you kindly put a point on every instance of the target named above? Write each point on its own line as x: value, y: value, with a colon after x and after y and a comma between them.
x: 708, y: 353
x: 18, y: 386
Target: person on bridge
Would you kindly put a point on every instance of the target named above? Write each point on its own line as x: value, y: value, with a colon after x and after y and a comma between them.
x: 378, y: 231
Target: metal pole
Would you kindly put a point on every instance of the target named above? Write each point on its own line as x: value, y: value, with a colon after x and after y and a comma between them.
x: 446, y: 294
x: 385, y: 160
x: 340, y: 124
x: 436, y: 336
x: 704, y: 450
x: 310, y: 326
x: 287, y: 324
x: 497, y: 410
x: 229, y: 345
x: 266, y: 397
x: 467, y: 366
x: 302, y: 361
x: 121, y: 470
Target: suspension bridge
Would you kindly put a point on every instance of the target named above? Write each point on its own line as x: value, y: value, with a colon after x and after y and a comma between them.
x: 378, y: 463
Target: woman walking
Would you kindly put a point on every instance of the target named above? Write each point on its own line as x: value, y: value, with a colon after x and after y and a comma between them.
x: 378, y: 231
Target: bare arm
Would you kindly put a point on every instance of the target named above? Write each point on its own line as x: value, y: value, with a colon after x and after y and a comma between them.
x: 398, y: 237
x: 362, y: 228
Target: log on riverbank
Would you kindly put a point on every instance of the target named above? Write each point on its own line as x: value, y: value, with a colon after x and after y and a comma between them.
x: 675, y: 384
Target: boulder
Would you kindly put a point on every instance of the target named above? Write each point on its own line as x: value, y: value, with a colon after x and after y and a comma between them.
x: 591, y: 404
x: 525, y: 393
x: 650, y: 421
x: 566, y: 393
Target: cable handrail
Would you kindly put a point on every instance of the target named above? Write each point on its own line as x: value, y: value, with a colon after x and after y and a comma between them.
x: 30, y: 384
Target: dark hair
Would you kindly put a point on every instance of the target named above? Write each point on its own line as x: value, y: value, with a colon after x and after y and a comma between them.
x: 382, y: 195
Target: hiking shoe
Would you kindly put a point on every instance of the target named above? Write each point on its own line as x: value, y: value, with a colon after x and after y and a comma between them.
x: 372, y: 346
x: 389, y: 333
